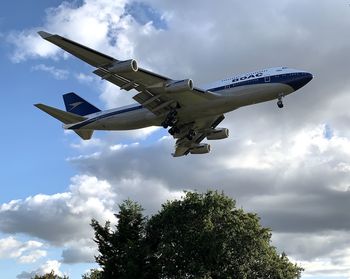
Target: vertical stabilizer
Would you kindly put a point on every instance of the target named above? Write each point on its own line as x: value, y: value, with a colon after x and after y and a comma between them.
x: 77, y: 105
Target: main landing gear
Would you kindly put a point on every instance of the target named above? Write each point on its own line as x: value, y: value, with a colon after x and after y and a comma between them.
x: 280, y: 102
x: 191, y: 134
x: 170, y: 120
x: 174, y: 130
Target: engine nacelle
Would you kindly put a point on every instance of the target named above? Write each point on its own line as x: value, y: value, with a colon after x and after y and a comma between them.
x: 200, y: 149
x: 124, y: 67
x: 217, y: 134
x: 178, y: 86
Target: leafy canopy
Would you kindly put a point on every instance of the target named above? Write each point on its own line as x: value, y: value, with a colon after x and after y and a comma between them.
x: 199, y: 236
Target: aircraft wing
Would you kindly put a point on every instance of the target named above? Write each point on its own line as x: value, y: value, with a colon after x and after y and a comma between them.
x: 202, y: 128
x: 152, y: 88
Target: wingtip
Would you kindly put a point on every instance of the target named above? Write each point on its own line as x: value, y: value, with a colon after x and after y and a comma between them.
x: 39, y: 106
x: 44, y: 34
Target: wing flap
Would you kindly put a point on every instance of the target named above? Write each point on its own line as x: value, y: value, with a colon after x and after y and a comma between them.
x: 156, y: 103
x: 113, y: 78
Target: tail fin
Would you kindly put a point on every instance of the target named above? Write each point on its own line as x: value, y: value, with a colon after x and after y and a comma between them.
x: 67, y: 118
x: 78, y: 105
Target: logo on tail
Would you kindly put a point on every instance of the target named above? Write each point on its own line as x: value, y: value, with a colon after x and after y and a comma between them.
x: 74, y: 105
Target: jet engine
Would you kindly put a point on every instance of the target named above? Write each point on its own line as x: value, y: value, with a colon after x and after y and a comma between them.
x: 217, y: 134
x: 200, y: 149
x: 178, y: 86
x: 124, y: 67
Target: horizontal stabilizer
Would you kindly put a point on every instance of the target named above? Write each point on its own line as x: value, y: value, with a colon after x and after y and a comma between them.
x: 63, y: 116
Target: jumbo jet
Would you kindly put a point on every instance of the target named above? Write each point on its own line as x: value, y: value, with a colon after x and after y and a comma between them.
x: 190, y: 114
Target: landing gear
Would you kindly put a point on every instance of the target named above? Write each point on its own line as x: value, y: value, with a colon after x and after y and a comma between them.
x: 280, y: 102
x: 191, y: 134
x: 170, y: 120
x: 174, y: 130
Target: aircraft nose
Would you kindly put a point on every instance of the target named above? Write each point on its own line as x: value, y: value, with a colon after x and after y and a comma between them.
x: 308, y: 77
x: 301, y: 80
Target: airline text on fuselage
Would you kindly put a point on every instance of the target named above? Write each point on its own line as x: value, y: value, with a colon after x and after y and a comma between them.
x: 248, y: 77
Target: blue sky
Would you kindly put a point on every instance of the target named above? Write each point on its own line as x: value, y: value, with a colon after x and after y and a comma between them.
x: 291, y: 166
x: 26, y: 137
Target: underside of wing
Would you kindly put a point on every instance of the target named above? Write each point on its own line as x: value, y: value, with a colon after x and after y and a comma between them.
x: 157, y: 93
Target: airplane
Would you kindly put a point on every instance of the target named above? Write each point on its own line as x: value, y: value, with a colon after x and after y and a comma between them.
x: 192, y: 114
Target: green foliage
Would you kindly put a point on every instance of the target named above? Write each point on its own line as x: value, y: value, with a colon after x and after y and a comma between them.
x: 122, y: 252
x: 50, y: 275
x: 205, y: 236
x: 93, y: 274
x: 199, y: 236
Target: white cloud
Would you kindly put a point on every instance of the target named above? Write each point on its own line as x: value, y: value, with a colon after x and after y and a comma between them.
x: 67, y: 19
x: 84, y: 78
x: 61, y: 217
x: 33, y: 256
x: 94, y: 155
x: 29, y: 44
x: 23, y: 252
x: 83, y: 144
x: 117, y: 147
x: 56, y: 73
x: 308, y: 147
x: 81, y: 251
x: 51, y: 265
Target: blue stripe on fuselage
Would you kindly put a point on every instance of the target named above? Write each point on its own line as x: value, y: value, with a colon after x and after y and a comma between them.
x: 295, y: 80
x: 102, y: 116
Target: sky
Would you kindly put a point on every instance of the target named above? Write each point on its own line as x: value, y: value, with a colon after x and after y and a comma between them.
x: 290, y: 166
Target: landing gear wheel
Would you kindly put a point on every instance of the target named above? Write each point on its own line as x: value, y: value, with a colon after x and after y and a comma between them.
x: 172, y: 113
x: 191, y: 135
x: 174, y: 130
x: 165, y: 125
x: 170, y: 119
x: 280, y: 104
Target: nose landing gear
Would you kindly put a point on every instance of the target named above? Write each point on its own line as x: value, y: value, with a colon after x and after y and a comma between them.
x: 280, y: 102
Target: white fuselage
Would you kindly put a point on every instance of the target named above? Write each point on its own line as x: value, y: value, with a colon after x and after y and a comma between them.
x: 231, y: 93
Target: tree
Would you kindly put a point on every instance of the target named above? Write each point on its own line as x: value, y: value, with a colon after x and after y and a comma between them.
x: 122, y: 253
x: 199, y: 236
x: 93, y: 274
x: 50, y: 275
